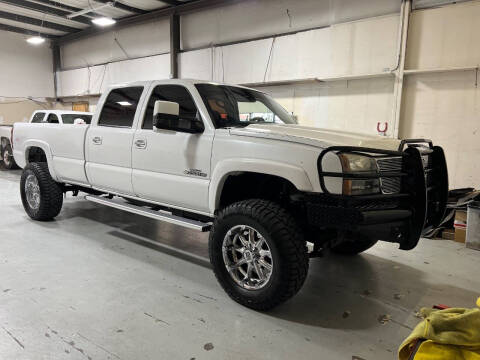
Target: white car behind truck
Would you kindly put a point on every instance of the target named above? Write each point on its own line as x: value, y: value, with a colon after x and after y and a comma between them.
x: 230, y: 160
x: 39, y: 116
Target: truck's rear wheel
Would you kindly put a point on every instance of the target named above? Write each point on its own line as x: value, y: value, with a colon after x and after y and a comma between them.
x: 354, y: 246
x: 42, y: 197
x: 258, y: 253
x: 7, y: 157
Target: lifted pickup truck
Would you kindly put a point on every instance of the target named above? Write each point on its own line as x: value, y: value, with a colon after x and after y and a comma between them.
x: 39, y: 116
x: 230, y: 160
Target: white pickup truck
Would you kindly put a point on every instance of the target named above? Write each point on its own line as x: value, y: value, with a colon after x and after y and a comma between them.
x: 61, y: 117
x: 39, y: 116
x: 230, y: 160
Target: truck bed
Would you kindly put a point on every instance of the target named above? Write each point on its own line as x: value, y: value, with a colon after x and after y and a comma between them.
x: 64, y: 143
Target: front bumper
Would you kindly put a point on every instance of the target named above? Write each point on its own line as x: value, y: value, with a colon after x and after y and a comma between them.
x: 399, y: 217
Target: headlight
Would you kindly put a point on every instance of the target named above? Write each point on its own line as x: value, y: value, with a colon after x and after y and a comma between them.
x: 354, y: 163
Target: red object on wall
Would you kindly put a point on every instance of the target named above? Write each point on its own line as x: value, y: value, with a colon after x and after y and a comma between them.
x: 384, y: 130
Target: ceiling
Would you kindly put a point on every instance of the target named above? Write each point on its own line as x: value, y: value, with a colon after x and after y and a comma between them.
x: 48, y: 18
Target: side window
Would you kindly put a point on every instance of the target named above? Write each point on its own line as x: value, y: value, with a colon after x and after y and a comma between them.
x: 38, y: 117
x: 120, y: 106
x: 70, y: 118
x: 52, y: 119
x: 175, y: 93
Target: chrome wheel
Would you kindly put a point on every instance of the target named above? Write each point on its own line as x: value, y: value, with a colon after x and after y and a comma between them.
x: 247, y: 257
x: 32, y: 191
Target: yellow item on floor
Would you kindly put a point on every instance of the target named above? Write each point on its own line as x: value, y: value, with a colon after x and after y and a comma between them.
x: 450, y: 334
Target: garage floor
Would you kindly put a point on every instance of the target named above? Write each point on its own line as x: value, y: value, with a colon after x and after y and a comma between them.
x: 98, y: 283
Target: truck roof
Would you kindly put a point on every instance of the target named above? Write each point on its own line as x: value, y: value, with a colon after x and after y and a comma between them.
x: 60, y: 112
x: 173, y: 81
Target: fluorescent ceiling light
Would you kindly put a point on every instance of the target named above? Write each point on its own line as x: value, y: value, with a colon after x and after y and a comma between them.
x: 103, y: 21
x: 35, y: 40
x: 124, y: 103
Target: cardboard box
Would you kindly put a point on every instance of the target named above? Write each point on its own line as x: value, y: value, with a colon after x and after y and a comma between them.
x: 448, y: 234
x: 460, y: 235
x: 460, y: 225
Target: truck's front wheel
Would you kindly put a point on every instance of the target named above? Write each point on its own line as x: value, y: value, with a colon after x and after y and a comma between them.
x: 258, y: 253
x: 42, y: 197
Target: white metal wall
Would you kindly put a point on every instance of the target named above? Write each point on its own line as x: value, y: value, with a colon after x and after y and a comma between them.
x: 353, y: 105
x: 252, y: 19
x: 26, y: 73
x: 441, y: 96
x: 94, y: 79
x: 132, y: 42
x: 26, y: 70
x: 358, y: 48
x: 446, y: 108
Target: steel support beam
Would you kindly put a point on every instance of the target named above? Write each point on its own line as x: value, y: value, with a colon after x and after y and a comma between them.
x: 149, y: 16
x: 58, y: 5
x: 400, y: 71
x: 174, y: 44
x: 119, y: 5
x: 25, y: 31
x: 172, y: 2
x: 46, y: 10
x: 57, y: 65
x: 35, y: 21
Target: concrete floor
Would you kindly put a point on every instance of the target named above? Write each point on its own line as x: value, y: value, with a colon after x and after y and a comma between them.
x: 98, y: 283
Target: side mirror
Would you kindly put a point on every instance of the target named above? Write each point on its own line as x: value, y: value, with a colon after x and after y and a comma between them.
x: 166, y: 117
x: 79, y: 121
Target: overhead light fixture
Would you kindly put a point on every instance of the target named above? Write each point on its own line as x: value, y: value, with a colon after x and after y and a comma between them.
x: 124, y: 103
x: 36, y: 40
x: 103, y: 21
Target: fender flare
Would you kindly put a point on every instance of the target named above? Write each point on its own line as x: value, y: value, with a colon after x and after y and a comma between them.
x: 48, y: 153
x: 296, y: 175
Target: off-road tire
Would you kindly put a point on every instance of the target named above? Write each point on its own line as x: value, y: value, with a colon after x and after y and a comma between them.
x: 287, y: 245
x: 354, y: 247
x: 10, y: 164
x: 51, y: 195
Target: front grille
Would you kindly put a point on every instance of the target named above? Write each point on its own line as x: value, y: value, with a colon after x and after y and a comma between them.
x: 390, y: 185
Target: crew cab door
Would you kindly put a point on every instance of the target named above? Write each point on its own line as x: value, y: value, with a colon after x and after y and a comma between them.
x: 109, y: 141
x: 172, y: 167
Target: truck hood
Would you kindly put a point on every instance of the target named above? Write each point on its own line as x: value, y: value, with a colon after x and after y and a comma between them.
x: 322, y: 138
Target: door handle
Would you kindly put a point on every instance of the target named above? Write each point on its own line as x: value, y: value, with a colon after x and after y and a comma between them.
x: 140, y: 144
x: 97, y: 140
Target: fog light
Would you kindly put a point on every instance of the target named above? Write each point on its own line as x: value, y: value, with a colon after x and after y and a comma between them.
x: 361, y: 187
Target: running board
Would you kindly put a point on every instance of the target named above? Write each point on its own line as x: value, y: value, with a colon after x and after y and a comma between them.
x: 153, y: 214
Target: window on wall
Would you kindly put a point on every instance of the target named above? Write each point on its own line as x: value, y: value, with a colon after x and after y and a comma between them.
x: 120, y: 107
x: 175, y: 93
x: 38, y: 117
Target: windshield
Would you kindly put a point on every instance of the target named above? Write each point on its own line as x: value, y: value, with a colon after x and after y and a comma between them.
x: 231, y: 106
x: 70, y: 118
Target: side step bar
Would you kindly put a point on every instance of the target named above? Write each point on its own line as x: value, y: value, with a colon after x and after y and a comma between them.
x: 153, y: 214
